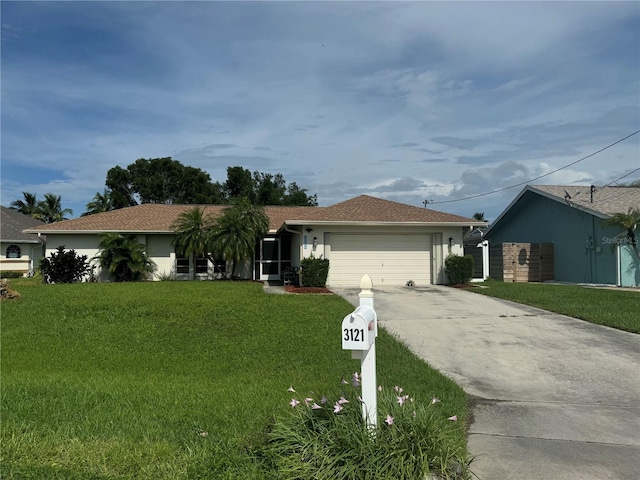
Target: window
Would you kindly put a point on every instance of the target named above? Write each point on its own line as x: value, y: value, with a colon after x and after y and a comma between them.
x: 13, y: 251
x: 182, y: 265
x: 202, y: 265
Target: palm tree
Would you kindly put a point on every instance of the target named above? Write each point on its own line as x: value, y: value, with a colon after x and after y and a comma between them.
x: 479, y: 216
x: 29, y: 206
x: 236, y: 232
x: 193, y: 233
x: 50, y: 209
x: 629, y: 222
x: 124, y: 258
x: 102, y: 202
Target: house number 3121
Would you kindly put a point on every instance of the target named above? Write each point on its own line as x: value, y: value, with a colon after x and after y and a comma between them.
x: 353, y: 334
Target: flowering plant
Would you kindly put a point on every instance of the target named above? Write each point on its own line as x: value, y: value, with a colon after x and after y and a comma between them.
x: 326, y: 437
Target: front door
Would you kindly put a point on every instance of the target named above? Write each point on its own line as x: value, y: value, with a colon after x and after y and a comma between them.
x: 270, y: 259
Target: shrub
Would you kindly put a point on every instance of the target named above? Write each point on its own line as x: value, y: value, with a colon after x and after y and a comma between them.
x: 459, y: 269
x: 64, y: 267
x: 326, y: 438
x: 314, y: 271
x: 11, y: 274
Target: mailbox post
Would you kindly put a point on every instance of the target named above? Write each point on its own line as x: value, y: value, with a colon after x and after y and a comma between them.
x: 359, y: 332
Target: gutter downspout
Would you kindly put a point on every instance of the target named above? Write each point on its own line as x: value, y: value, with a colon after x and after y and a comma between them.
x: 618, y: 269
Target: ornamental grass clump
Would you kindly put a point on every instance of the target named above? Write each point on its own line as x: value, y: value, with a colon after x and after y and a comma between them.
x: 325, y: 437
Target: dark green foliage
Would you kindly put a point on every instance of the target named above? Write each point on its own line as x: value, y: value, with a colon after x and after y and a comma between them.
x: 48, y: 210
x: 124, y: 258
x: 324, y: 439
x: 11, y: 274
x: 160, y: 180
x: 102, y: 202
x: 119, y: 182
x: 28, y: 206
x: 164, y: 180
x: 459, y: 269
x: 234, y: 235
x: 314, y: 271
x: 193, y: 234
x: 64, y: 267
x: 265, y: 189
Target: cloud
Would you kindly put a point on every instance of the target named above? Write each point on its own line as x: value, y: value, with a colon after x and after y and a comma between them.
x: 454, y: 89
x: 460, y: 143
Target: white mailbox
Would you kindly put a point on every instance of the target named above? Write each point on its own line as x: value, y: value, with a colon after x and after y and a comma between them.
x: 359, y: 329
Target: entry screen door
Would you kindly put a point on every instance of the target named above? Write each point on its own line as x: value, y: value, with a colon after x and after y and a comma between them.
x: 270, y: 259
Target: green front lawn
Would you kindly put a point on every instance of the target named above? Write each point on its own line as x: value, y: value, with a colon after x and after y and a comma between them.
x: 172, y: 380
x: 613, y: 308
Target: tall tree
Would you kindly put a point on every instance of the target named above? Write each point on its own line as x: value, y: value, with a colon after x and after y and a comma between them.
x: 161, y: 180
x: 237, y: 231
x: 124, y: 258
x: 298, y: 196
x: 240, y: 183
x: 479, y: 216
x: 51, y: 209
x: 102, y: 202
x: 193, y: 234
x: 119, y: 183
x: 269, y: 189
x: 29, y: 206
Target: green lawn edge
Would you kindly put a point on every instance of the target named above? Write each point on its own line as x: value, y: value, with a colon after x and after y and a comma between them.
x: 610, y: 307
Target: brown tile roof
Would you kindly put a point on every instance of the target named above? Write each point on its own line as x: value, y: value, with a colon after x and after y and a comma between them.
x: 150, y: 217
x: 606, y: 200
x: 370, y: 209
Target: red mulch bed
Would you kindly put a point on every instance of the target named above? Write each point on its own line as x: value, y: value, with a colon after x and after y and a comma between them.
x: 294, y: 289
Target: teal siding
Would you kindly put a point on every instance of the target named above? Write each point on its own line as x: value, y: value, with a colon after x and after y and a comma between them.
x: 629, y: 267
x: 582, y: 249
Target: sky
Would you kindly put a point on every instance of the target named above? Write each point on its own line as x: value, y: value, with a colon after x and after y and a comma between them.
x: 408, y: 101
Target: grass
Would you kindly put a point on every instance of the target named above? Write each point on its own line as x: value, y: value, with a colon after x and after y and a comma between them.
x: 614, y: 308
x: 172, y: 380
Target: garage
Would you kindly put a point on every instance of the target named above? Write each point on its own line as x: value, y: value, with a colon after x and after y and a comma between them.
x: 389, y: 259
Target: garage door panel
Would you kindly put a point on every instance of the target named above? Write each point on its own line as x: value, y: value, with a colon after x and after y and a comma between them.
x: 388, y: 259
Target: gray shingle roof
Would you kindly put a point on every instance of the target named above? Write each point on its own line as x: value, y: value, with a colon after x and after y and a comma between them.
x: 12, y: 223
x: 606, y: 200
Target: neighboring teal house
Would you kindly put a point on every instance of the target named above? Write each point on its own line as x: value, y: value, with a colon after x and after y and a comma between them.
x: 573, y: 219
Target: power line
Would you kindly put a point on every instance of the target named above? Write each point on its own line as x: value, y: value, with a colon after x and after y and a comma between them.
x: 610, y: 183
x: 541, y: 176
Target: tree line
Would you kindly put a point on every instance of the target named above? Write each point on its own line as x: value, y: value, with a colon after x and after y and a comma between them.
x: 164, y: 180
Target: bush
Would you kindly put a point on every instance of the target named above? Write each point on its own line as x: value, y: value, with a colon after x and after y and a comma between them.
x: 11, y: 274
x: 326, y: 438
x: 64, y: 267
x: 314, y: 272
x: 459, y: 269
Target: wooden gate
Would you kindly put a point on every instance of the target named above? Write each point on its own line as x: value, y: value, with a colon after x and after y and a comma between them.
x: 521, y: 262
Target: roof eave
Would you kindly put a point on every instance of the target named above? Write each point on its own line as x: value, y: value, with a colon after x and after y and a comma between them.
x: 555, y: 198
x: 12, y: 240
x: 99, y: 232
x: 384, y: 223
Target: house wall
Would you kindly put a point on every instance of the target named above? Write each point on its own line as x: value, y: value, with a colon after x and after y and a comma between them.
x: 581, y: 250
x: 30, y: 254
x: 159, y: 248
x: 629, y: 266
x: 304, y: 246
x: 305, y: 249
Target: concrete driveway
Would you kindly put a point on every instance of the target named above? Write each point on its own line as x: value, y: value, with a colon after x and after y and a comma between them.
x: 553, y: 397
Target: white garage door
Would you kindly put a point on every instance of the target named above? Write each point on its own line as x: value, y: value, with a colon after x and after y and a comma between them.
x: 387, y: 259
